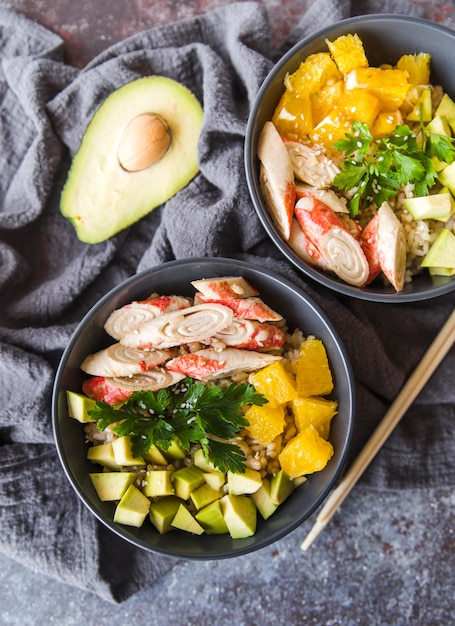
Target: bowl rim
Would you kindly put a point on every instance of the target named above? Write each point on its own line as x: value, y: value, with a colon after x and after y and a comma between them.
x: 238, y: 550
x: 320, y: 276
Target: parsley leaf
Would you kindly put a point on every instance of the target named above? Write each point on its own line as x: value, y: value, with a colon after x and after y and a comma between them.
x: 234, y: 461
x: 375, y: 169
x: 191, y: 411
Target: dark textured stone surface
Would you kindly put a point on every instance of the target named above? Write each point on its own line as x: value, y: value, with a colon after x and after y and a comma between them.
x: 89, y: 27
x: 386, y: 558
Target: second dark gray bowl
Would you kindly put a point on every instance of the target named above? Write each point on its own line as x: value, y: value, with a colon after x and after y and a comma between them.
x: 174, y: 278
x: 385, y: 38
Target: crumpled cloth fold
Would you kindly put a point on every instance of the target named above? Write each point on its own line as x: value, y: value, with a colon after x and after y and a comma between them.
x: 49, y: 279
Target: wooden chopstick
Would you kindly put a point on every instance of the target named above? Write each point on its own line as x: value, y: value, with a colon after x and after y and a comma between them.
x: 431, y: 359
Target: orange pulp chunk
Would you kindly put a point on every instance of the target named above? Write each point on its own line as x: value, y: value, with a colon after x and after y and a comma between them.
x: 417, y: 66
x: 274, y: 383
x: 312, y: 73
x: 360, y: 105
x: 386, y: 122
x: 305, y: 453
x: 333, y: 127
x: 317, y: 412
x: 292, y: 116
x: 265, y: 422
x: 326, y: 99
x: 390, y: 86
x: 313, y: 375
x: 348, y: 52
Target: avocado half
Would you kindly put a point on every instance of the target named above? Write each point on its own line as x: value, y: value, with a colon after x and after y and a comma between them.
x: 100, y: 197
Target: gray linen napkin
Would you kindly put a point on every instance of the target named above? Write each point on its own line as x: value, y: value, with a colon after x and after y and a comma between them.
x: 48, y: 279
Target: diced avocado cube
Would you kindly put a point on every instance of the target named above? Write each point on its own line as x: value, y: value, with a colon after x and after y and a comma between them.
x: 447, y: 177
x: 215, y: 479
x: 186, y: 480
x: 441, y: 271
x: 446, y: 108
x: 437, y: 164
x: 452, y: 201
x: 155, y: 456
x: 158, y: 483
x: 112, y: 485
x: 281, y: 486
x: 245, y: 483
x: 439, y: 125
x: 423, y: 109
x: 123, y: 452
x: 203, y: 495
x: 211, y: 519
x: 175, y: 450
x: 442, y: 251
x: 240, y: 515
x: 299, y: 480
x: 132, y: 508
x: 185, y: 521
x: 162, y: 512
x: 78, y: 405
x: 200, y: 461
x: 436, y: 207
x: 103, y: 454
x: 262, y: 500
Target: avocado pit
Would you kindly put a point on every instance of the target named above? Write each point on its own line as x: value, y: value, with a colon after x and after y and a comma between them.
x: 144, y: 142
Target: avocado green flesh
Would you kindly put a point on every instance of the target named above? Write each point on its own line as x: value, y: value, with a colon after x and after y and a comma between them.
x: 281, y: 486
x: 158, y: 483
x: 112, y: 485
x: 262, y: 500
x: 442, y: 252
x: 103, y: 454
x: 78, y: 406
x: 211, y: 519
x: 248, y: 482
x: 437, y: 206
x: 132, y: 508
x: 240, y: 515
x: 162, y: 512
x: 183, y: 520
x: 100, y: 197
x: 446, y: 109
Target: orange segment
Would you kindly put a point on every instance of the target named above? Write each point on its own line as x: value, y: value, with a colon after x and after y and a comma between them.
x: 305, y: 453
x: 316, y: 412
x: 360, y: 105
x: 312, y: 73
x: 293, y: 116
x: 417, y: 67
x: 348, y: 52
x: 326, y: 99
x: 265, y: 422
x: 313, y: 375
x: 390, y: 86
x: 385, y: 123
x: 274, y: 383
x: 333, y: 127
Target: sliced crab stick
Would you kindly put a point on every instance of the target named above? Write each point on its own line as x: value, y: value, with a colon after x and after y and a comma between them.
x: 326, y: 230
x: 391, y: 246
x: 369, y: 242
x: 277, y: 178
x: 300, y: 243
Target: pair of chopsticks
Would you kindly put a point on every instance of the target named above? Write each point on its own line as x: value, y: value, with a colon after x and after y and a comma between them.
x: 422, y: 373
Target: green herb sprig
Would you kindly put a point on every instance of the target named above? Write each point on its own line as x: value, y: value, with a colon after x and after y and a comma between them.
x: 376, y: 168
x: 191, y: 411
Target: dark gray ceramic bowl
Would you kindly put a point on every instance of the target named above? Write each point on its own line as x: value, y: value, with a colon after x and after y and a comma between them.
x: 175, y: 277
x: 385, y: 38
